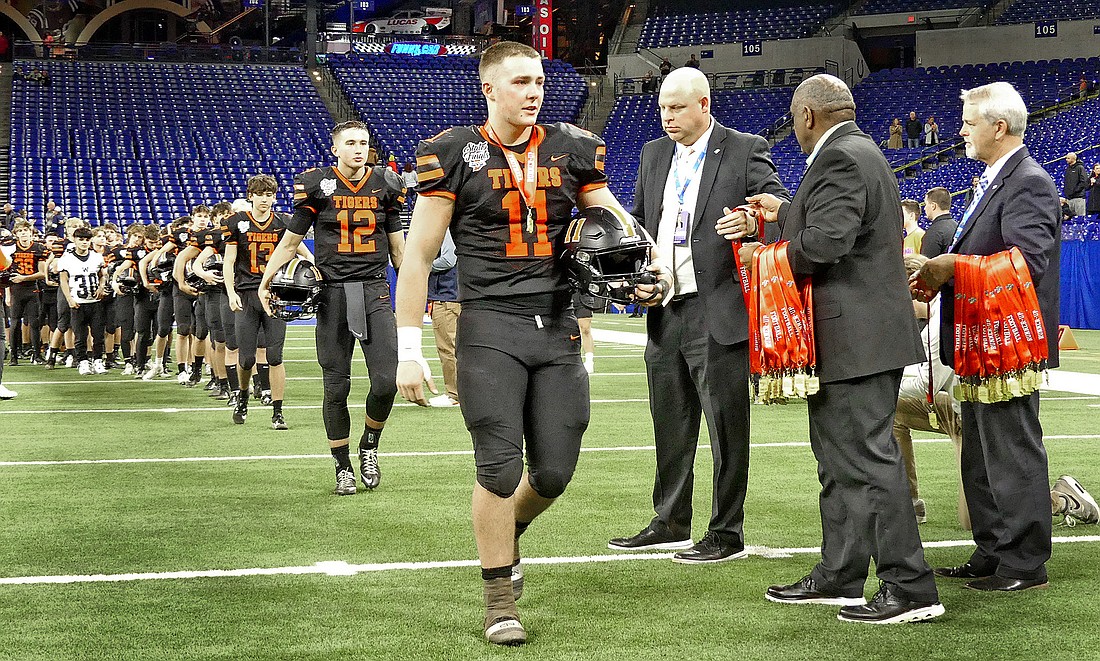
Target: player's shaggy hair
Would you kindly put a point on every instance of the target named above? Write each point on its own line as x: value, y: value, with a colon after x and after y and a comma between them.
x: 262, y: 183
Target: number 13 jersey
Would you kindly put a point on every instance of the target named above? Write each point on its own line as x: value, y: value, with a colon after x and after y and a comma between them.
x: 351, y: 220
x: 506, y: 252
x: 255, y: 242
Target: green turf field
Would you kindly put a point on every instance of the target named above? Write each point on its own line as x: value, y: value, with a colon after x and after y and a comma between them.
x: 86, y: 490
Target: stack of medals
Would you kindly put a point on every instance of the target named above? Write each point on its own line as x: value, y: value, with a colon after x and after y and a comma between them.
x: 1000, y: 342
x: 781, y: 326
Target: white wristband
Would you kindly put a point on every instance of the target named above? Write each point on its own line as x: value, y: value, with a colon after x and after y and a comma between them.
x: 409, y: 344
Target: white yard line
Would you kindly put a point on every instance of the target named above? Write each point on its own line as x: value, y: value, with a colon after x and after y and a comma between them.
x: 341, y: 568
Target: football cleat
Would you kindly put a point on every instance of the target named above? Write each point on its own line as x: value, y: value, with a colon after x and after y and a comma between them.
x: 212, y: 384
x: 99, y: 367
x: 240, y: 412
x: 231, y: 402
x: 183, y: 377
x: 13, y: 361
x: 369, y: 472
x: 345, y: 483
x: 85, y: 368
x: 265, y: 398
x: 7, y: 394
x: 278, y: 422
x: 156, y: 370
x: 69, y: 361
x: 1080, y: 507
x: 505, y: 630
x: 128, y: 370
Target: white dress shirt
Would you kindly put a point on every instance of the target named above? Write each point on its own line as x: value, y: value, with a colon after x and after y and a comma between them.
x: 677, y: 259
x: 824, y: 137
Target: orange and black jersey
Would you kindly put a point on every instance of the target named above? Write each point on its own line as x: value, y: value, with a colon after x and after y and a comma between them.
x: 351, y: 220
x: 212, y: 237
x: 255, y: 242
x: 28, y: 261
x: 507, y: 257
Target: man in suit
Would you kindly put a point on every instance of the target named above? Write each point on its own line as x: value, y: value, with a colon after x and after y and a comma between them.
x: 941, y: 227
x: 697, y: 355
x: 1004, y: 463
x: 843, y: 227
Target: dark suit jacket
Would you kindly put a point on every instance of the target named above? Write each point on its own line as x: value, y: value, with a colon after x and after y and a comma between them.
x: 938, y: 236
x: 737, y: 165
x: 1020, y: 208
x: 843, y: 226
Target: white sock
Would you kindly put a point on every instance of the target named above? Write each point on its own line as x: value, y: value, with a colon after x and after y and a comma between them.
x: 589, y: 362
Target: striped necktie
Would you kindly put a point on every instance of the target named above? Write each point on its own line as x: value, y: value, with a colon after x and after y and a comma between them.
x: 983, y: 183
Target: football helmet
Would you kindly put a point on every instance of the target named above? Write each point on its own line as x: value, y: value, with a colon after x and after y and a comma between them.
x: 128, y: 282
x: 161, y: 271
x: 606, y: 256
x: 294, y: 290
x: 213, y: 265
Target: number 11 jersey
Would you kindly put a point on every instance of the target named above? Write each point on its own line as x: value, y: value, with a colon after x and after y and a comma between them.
x: 508, y: 252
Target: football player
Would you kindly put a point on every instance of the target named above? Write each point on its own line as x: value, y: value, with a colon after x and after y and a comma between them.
x: 355, y: 212
x: 210, y: 243
x: 156, y: 272
x: 81, y: 273
x: 26, y: 262
x: 250, y: 239
x: 186, y: 301
x: 126, y: 257
x: 147, y: 301
x: 63, y: 333
x: 506, y: 190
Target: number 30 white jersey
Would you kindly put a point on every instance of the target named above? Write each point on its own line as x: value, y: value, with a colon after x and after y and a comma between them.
x: 83, y: 274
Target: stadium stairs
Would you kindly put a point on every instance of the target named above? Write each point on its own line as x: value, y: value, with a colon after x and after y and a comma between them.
x: 335, y: 98
x: 5, y: 127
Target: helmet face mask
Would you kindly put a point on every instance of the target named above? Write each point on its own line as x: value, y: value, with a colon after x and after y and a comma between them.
x: 212, y: 265
x: 606, y: 257
x: 128, y: 282
x: 295, y: 288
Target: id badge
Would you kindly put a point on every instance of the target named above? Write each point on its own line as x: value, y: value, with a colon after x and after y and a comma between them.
x: 680, y: 235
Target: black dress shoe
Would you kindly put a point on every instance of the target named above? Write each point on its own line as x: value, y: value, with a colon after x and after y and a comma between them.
x: 806, y: 591
x: 710, y: 549
x: 648, y: 540
x: 887, y: 607
x: 1004, y: 584
x: 965, y: 570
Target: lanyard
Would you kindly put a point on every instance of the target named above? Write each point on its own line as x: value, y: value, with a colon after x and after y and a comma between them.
x: 681, y: 189
x: 526, y: 176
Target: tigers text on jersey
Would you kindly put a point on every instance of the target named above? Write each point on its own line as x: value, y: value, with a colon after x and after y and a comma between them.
x: 351, y: 221
x: 255, y: 242
x: 504, y: 251
x: 27, y: 261
x: 83, y: 273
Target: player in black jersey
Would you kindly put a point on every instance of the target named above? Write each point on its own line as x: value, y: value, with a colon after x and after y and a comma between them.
x: 204, y: 245
x: 355, y: 213
x: 126, y: 257
x: 27, y: 261
x: 190, y: 351
x: 250, y: 239
x: 506, y: 190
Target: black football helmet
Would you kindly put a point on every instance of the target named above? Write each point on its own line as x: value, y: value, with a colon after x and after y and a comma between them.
x: 294, y: 290
x: 606, y: 257
x: 213, y: 264
x: 128, y: 281
x: 161, y: 271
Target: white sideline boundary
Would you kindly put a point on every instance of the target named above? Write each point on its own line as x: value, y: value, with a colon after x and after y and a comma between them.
x: 426, y: 453
x: 341, y: 568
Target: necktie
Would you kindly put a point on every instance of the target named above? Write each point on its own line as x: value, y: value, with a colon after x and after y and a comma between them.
x: 979, y: 191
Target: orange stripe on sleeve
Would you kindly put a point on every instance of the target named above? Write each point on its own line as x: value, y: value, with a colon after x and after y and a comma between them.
x: 439, y: 193
x: 591, y: 187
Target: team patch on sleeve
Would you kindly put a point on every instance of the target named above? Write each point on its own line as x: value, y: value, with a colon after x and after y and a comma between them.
x: 601, y: 152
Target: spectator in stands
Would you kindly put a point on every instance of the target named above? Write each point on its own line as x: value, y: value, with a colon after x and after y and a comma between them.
x: 941, y: 227
x: 1075, y: 184
x: 486, y: 29
x: 7, y: 220
x: 913, y: 130
x: 894, y: 142
x: 54, y: 220
x: 649, y: 83
x: 1093, y: 206
x: 693, y: 63
x: 666, y: 67
x: 931, y: 132
x: 1082, y: 85
x: 912, y: 234
x: 409, y: 177
x: 973, y: 187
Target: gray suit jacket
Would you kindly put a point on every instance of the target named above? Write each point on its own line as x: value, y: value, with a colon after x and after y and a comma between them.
x: 844, y: 227
x: 737, y: 165
x: 1020, y: 208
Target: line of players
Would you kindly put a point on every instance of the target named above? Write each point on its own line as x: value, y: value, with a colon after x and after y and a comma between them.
x: 220, y: 279
x: 81, y: 298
